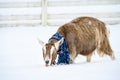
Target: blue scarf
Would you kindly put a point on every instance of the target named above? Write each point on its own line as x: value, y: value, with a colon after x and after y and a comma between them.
x: 63, y: 52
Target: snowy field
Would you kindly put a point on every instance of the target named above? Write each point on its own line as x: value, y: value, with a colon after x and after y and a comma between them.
x: 21, y: 57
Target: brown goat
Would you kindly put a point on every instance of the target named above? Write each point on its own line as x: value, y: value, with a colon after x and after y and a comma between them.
x: 84, y: 35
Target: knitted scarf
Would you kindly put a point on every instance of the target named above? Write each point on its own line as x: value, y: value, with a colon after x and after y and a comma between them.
x: 63, y: 52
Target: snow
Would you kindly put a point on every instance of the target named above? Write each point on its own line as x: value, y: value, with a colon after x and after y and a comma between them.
x: 20, y: 11
x: 61, y: 10
x: 18, y: 0
x: 84, y: 9
x: 21, y: 57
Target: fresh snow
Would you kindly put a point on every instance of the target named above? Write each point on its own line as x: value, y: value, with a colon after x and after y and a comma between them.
x: 21, y: 57
x: 61, y: 10
x: 84, y: 9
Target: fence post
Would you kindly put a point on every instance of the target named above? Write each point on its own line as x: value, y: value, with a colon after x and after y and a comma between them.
x: 44, y: 12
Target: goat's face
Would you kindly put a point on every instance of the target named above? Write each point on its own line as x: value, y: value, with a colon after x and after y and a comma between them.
x: 50, y: 51
x: 49, y: 54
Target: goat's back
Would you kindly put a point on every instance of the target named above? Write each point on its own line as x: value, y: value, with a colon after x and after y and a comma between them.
x: 82, y: 33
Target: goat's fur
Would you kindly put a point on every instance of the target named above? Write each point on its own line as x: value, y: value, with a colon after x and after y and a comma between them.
x: 84, y: 35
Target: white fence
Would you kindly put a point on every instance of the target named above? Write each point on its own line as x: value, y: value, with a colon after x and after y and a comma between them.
x: 56, y: 12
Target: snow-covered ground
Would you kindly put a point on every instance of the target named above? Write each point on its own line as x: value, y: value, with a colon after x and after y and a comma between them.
x: 21, y: 57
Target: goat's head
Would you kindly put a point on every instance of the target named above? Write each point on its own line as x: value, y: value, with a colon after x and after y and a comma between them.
x: 50, y: 51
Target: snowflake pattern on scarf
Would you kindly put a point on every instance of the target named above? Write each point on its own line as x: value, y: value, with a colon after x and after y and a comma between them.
x: 63, y: 52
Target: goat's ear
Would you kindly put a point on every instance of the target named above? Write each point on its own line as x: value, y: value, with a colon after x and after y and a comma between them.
x: 41, y: 43
x: 58, y: 43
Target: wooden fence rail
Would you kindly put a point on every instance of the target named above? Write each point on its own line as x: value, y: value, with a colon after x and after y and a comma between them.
x: 56, y: 12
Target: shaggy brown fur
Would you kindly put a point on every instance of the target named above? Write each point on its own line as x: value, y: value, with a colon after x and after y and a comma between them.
x: 84, y: 35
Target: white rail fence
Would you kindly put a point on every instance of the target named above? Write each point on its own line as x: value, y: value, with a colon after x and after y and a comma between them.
x: 56, y: 12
